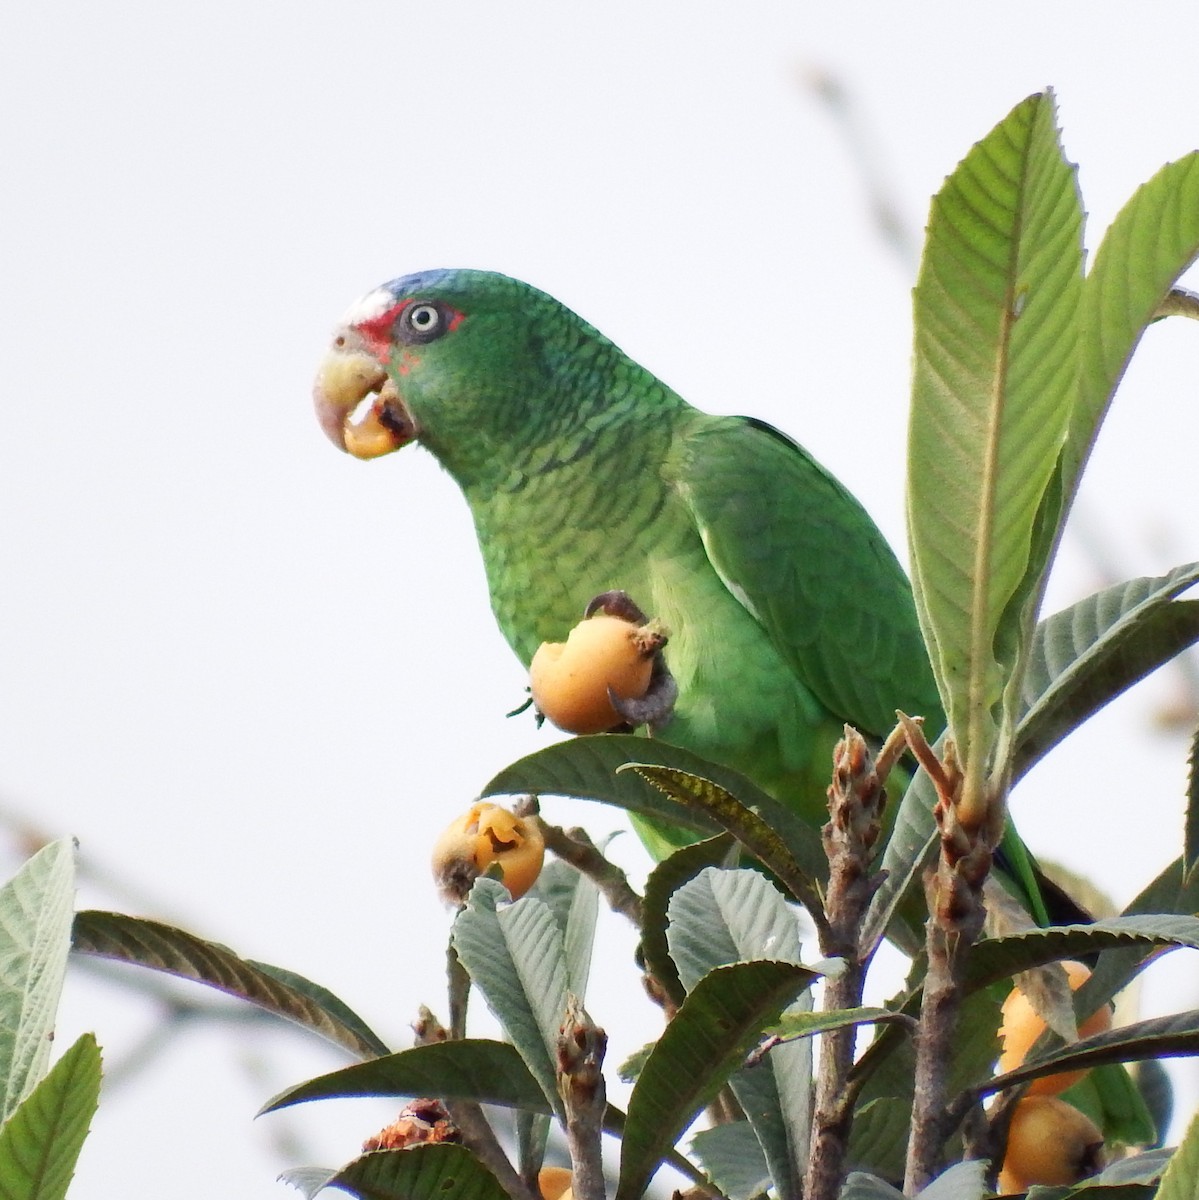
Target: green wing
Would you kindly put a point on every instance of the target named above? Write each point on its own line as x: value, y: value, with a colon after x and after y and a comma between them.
x: 806, y: 561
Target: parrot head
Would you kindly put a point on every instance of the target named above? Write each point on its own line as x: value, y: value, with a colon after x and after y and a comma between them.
x: 469, y: 363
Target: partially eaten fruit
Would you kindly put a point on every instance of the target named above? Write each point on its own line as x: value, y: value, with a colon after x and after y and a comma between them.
x: 486, y: 834
x: 573, y: 682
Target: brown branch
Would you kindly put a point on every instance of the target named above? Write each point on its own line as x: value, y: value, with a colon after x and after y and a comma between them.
x: 573, y: 846
x: 477, y: 1134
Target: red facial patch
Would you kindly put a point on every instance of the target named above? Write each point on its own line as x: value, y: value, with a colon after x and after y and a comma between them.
x: 377, y: 331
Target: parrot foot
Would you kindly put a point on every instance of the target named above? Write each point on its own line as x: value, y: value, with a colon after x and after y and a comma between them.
x: 656, y: 706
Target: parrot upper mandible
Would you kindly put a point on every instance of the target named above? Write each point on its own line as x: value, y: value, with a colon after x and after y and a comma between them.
x: 788, y: 614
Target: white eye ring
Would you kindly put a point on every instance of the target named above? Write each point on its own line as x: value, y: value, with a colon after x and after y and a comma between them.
x: 424, y: 318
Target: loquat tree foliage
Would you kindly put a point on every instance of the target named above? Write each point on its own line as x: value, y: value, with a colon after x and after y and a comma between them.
x: 1018, y: 353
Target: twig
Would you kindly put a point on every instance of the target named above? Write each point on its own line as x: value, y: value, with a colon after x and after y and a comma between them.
x: 856, y: 801
x: 573, y: 846
x: 581, y: 1046
x: 477, y: 1135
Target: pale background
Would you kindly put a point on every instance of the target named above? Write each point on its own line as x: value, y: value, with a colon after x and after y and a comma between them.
x: 254, y: 677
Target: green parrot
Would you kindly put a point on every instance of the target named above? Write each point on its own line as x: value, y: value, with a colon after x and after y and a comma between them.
x: 788, y: 614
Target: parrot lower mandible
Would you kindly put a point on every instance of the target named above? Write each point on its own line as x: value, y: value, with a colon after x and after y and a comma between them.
x: 788, y: 614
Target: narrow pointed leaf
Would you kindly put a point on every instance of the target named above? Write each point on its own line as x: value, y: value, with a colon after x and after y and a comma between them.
x: 809, y: 1024
x: 1190, y: 852
x: 431, y: 1172
x: 759, y: 836
x: 994, y: 959
x: 1146, y: 1167
x: 164, y: 948
x: 477, y: 1069
x: 515, y: 956
x: 1153, y: 239
x: 35, y: 938
x: 911, y: 847
x: 1160, y: 1037
x: 1088, y: 654
x: 40, y: 1142
x: 993, y: 383
x: 706, y: 1041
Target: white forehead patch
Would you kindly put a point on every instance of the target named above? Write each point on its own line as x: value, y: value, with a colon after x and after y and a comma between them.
x: 367, y: 308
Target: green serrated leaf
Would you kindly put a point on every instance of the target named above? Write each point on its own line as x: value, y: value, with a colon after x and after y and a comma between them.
x: 996, y: 346
x: 1085, y: 656
x: 732, y: 1159
x: 430, y: 1172
x: 878, y: 1141
x: 1153, y: 239
x: 162, y: 947
x: 724, y: 916
x: 809, y: 1024
x: 516, y: 957
x: 664, y: 880
x: 759, y: 836
x: 574, y: 901
x: 35, y: 937
x: 41, y: 1140
x: 477, y: 1069
x: 1179, y: 1180
x: 994, y: 959
x: 589, y: 768
x: 586, y: 768
x: 706, y: 1041
x: 1190, y: 839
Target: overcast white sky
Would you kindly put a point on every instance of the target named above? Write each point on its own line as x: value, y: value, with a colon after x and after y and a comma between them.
x: 255, y: 677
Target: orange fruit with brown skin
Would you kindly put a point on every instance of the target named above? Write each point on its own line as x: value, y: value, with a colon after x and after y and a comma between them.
x: 486, y: 834
x: 554, y: 1183
x: 570, y: 680
x: 1050, y: 1142
x: 1022, y: 1026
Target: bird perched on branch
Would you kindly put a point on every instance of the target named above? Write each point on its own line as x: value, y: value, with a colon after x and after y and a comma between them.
x: 788, y: 613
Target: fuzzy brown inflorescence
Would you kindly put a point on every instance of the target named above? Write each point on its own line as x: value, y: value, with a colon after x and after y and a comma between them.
x: 580, y: 1053
x: 856, y: 803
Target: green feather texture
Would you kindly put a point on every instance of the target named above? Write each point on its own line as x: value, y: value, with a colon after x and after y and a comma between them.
x: 787, y: 611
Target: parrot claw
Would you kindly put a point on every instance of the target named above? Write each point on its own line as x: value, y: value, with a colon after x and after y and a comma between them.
x: 616, y: 604
x: 656, y: 707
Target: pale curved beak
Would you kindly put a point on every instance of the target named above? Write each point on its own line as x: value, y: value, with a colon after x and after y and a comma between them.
x: 358, y: 406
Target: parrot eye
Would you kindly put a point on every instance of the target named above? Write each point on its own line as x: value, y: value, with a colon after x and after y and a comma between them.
x: 422, y: 322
